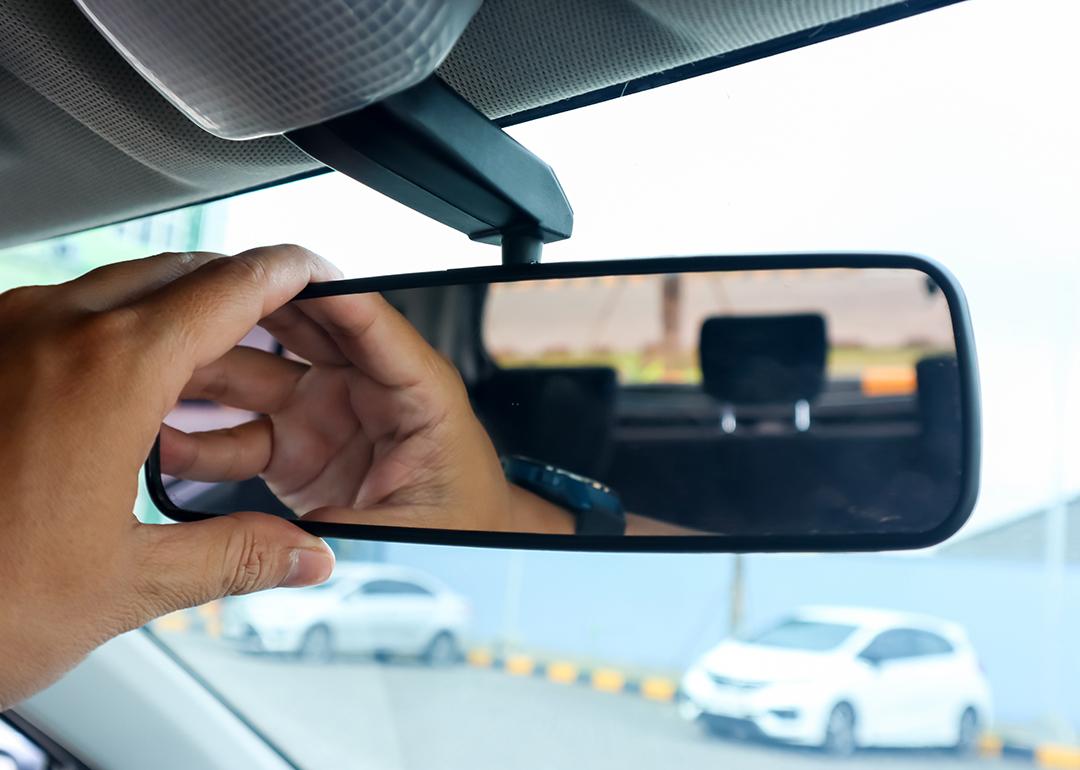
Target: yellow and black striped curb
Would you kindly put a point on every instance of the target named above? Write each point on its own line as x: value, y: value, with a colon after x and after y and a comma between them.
x: 1051, y: 755
x: 604, y: 679
x: 665, y: 689
x: 657, y: 688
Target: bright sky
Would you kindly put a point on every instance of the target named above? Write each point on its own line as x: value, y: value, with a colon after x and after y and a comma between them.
x: 953, y: 134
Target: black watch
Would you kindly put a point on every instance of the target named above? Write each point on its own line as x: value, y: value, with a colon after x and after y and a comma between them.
x: 597, y: 509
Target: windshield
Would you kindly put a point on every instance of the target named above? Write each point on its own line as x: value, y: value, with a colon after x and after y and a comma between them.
x: 804, y: 635
x: 950, y: 134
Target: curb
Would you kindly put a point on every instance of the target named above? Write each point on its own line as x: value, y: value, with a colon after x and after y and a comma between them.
x: 602, y: 679
x: 665, y: 690
x: 1051, y: 755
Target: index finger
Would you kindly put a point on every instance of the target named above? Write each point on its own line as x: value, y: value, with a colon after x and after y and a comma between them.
x: 375, y: 337
x: 200, y: 316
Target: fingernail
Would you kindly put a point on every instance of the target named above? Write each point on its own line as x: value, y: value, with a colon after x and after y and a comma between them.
x: 308, y: 567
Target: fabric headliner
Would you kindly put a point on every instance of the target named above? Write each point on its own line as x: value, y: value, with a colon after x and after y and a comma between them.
x: 85, y: 141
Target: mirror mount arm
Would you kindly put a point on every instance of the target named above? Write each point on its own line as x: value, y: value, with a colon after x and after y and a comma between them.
x: 521, y: 249
x: 431, y: 150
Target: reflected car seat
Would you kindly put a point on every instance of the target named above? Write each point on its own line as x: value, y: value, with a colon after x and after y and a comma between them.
x: 564, y: 416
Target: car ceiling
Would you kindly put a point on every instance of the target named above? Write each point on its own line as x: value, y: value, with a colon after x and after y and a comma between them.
x: 85, y: 141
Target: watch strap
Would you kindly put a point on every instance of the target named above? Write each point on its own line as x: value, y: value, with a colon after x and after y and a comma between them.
x: 596, y: 508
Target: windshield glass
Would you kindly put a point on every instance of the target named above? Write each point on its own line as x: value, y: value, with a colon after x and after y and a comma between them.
x: 804, y: 635
x: 951, y: 135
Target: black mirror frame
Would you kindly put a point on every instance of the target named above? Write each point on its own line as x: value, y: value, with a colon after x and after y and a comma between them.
x: 970, y: 412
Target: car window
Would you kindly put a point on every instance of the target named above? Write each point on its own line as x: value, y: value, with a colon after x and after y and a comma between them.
x: 906, y: 643
x: 927, y: 643
x: 897, y: 139
x: 804, y: 635
x: 617, y: 322
x: 895, y: 644
x: 394, y: 588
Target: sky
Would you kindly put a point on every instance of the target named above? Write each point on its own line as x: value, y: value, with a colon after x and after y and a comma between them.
x: 952, y: 134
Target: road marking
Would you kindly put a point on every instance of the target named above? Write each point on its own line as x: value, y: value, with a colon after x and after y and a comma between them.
x: 1052, y: 755
x: 480, y: 658
x: 608, y: 680
x: 519, y: 665
x: 658, y: 688
x: 562, y: 672
x: 990, y: 745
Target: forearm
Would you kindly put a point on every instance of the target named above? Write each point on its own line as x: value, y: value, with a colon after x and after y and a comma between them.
x: 532, y: 513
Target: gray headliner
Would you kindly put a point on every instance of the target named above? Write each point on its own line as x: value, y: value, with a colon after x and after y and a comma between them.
x: 85, y: 141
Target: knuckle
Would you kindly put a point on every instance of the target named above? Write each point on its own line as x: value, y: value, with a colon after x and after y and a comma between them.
x: 90, y: 342
x: 105, y: 331
x: 21, y: 299
x: 216, y: 385
x: 292, y: 251
x: 247, y: 562
x: 247, y: 268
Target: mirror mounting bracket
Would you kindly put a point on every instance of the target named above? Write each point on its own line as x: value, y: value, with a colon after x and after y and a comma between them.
x: 431, y: 150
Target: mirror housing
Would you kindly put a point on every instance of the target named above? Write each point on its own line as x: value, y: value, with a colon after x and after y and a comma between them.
x: 787, y: 353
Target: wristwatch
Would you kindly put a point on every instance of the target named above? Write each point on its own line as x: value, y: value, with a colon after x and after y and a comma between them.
x: 596, y: 508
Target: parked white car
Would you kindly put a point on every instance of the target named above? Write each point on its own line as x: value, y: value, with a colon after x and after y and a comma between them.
x: 365, y: 608
x: 842, y: 678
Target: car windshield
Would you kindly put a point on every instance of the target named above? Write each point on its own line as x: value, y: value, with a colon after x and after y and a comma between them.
x: 809, y: 635
x: 950, y: 134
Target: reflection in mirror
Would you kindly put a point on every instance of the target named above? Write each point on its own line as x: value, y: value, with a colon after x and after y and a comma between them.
x: 752, y: 403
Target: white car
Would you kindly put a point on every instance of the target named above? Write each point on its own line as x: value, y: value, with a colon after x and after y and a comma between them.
x: 377, y: 609
x: 842, y: 678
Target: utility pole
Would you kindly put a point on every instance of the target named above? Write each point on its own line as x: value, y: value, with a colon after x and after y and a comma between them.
x: 1055, y: 537
x: 515, y: 577
x: 738, y: 579
x: 670, y: 315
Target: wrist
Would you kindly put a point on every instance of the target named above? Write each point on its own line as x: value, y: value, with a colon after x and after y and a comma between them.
x: 531, y: 513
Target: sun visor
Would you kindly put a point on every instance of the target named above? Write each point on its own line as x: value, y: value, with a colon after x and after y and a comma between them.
x: 249, y: 68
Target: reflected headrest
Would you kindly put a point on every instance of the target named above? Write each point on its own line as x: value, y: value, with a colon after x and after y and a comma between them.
x: 938, y: 380
x: 763, y: 359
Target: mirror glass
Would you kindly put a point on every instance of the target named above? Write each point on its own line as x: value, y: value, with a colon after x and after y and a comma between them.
x: 750, y: 403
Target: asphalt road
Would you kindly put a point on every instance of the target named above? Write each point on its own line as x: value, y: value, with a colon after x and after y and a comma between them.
x: 405, y: 716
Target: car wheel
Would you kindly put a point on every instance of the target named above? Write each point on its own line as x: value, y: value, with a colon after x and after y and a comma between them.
x: 318, y: 645
x: 442, y: 650
x: 967, y: 736
x: 840, y: 732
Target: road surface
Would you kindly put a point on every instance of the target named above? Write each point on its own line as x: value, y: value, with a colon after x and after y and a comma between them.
x: 404, y: 716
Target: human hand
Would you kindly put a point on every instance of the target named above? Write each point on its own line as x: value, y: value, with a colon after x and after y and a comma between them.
x: 376, y: 427
x: 88, y: 370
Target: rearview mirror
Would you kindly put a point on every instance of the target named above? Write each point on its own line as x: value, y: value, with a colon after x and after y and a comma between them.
x: 785, y: 403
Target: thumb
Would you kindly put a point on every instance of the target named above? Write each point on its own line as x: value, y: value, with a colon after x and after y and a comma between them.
x: 184, y: 565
